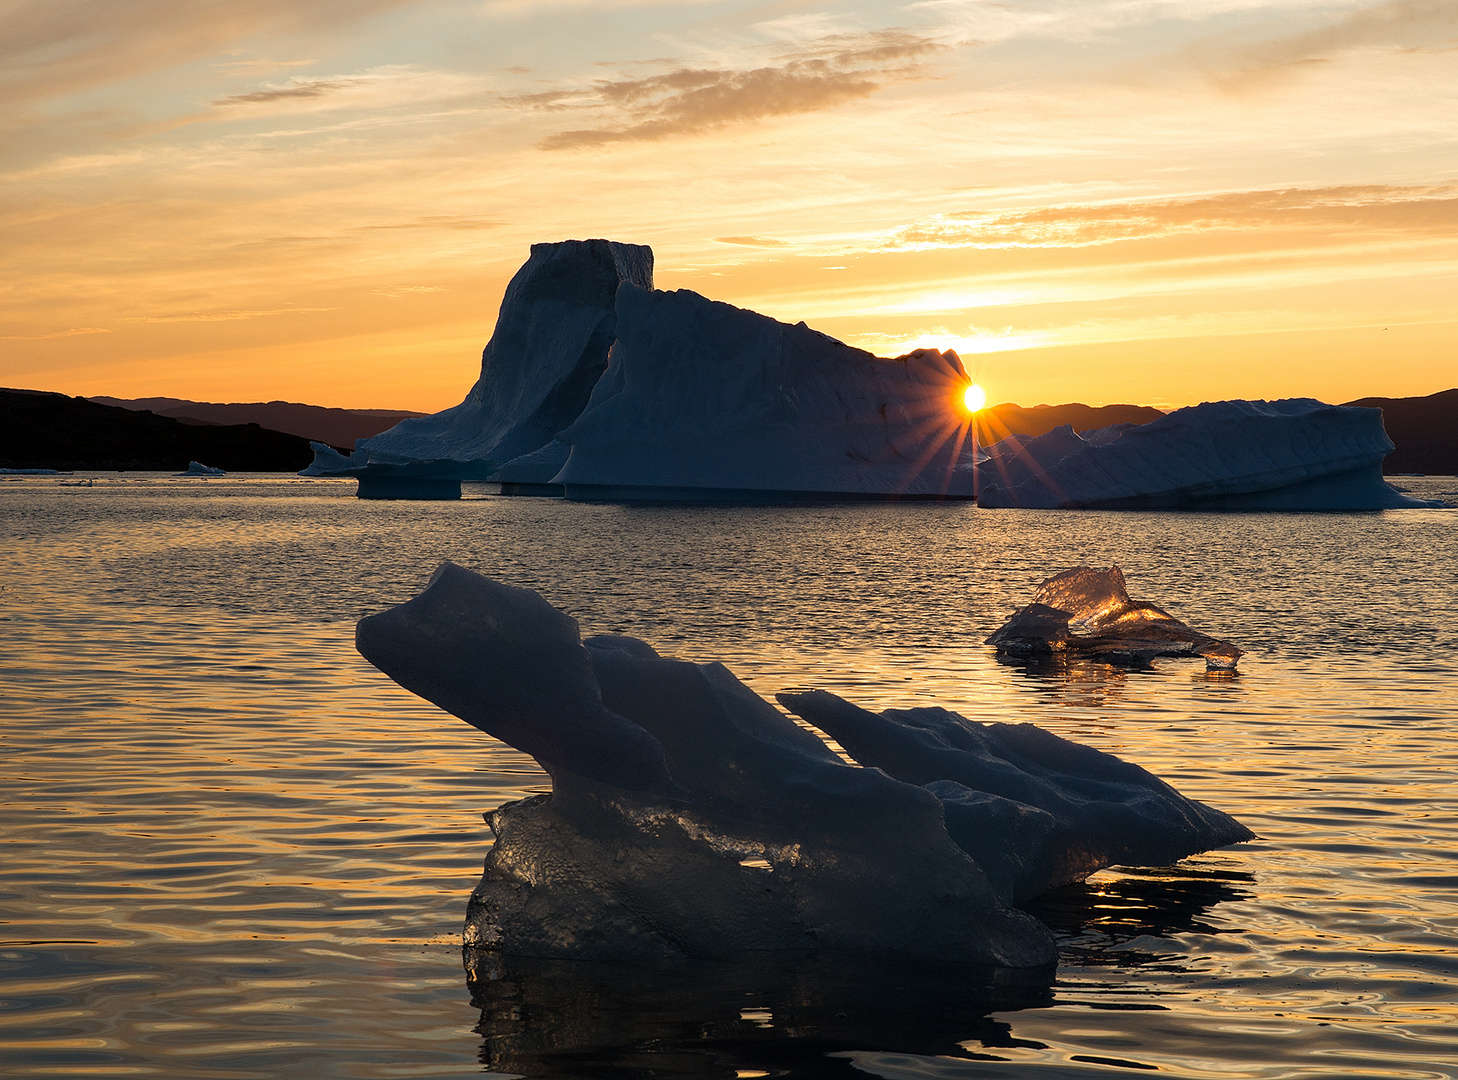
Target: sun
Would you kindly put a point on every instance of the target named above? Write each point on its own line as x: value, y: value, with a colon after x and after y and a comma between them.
x: 974, y: 398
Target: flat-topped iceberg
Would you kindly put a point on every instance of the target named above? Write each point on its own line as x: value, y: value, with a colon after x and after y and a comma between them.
x: 689, y: 817
x: 1296, y: 454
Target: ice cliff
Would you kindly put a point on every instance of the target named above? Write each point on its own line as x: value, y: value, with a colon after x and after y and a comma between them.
x: 550, y: 346
x: 1296, y: 454
x: 689, y: 817
x: 701, y: 397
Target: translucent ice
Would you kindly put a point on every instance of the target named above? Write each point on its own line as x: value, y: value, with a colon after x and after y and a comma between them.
x: 1087, y: 612
x: 689, y: 817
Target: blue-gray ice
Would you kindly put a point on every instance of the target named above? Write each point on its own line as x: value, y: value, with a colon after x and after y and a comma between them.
x: 689, y: 817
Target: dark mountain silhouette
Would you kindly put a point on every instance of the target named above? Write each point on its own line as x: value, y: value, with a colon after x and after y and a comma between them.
x: 40, y: 430
x: 1000, y: 421
x: 1425, y: 430
x: 337, y: 427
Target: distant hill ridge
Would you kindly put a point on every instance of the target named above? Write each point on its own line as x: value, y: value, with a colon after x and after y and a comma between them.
x: 337, y: 427
x: 999, y: 421
x: 40, y: 430
x: 1424, y: 429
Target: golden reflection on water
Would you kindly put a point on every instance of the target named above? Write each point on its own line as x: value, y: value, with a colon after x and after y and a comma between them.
x: 235, y: 849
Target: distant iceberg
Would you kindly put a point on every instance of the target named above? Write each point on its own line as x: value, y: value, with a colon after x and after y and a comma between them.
x: 197, y: 468
x: 1295, y: 454
x: 327, y: 461
x: 689, y: 817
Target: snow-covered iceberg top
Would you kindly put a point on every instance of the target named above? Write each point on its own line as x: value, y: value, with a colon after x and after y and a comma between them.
x: 1295, y: 454
x: 689, y: 817
x: 701, y: 398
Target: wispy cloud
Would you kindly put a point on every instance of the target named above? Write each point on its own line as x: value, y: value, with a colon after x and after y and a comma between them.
x: 74, y: 332
x: 1400, y: 25
x: 752, y: 241
x: 437, y: 221
x: 1363, y: 210
x: 819, y: 74
x: 55, y: 47
x: 299, y: 88
x: 223, y: 316
x: 394, y: 292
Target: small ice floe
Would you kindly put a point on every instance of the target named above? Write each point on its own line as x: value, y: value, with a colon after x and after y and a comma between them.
x: 690, y: 818
x: 1086, y: 613
x: 197, y: 468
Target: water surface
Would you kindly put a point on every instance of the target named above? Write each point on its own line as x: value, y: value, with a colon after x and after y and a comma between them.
x: 233, y: 849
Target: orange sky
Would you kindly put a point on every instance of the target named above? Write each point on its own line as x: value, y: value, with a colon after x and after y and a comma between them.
x: 1156, y: 201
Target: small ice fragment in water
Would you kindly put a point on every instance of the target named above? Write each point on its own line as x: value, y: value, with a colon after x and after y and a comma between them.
x: 1087, y: 613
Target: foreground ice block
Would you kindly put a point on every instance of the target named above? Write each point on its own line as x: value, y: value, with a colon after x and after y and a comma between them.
x: 701, y: 399
x: 689, y: 817
x: 1088, y: 613
x: 1296, y: 454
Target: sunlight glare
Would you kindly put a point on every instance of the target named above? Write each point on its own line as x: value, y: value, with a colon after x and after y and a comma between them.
x: 974, y: 397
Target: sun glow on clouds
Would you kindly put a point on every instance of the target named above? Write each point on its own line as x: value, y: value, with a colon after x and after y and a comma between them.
x: 1104, y: 200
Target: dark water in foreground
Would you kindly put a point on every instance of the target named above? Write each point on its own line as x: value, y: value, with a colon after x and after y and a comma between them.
x: 233, y: 849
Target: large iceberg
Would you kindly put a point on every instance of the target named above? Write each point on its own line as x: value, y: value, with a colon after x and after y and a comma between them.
x: 704, y: 399
x: 1295, y: 454
x: 689, y: 817
x: 596, y: 386
x: 550, y: 346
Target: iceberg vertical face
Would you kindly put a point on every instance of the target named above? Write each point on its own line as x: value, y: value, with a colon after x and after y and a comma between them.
x: 689, y: 817
x: 549, y: 348
x: 327, y: 461
x: 1297, y: 454
x: 700, y: 396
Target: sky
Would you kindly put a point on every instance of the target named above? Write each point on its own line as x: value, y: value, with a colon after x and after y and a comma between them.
x: 1148, y: 201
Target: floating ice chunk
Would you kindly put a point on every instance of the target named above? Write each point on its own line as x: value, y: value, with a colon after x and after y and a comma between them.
x: 667, y: 778
x: 688, y: 817
x: 1087, y: 613
x: 1296, y: 454
x: 701, y: 399
x: 507, y: 662
x: 197, y: 468
x: 1035, y: 810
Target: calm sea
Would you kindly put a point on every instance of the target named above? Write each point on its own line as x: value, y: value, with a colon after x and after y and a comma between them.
x: 233, y: 849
